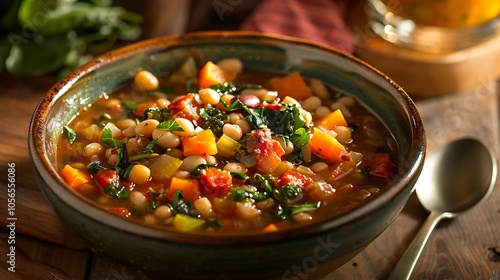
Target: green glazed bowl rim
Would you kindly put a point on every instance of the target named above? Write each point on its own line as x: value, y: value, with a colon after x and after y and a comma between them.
x: 46, y: 169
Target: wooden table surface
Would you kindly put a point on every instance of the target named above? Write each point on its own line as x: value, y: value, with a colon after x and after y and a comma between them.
x: 463, y: 248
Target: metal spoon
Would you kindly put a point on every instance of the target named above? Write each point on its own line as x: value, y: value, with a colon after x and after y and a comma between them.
x: 455, y: 178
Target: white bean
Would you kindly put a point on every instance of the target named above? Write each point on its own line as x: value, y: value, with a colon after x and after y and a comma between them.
x: 92, y: 149
x: 321, y: 111
x: 347, y: 101
x: 203, y: 206
x: 311, y: 103
x: 343, y: 134
x: 233, y: 117
x: 139, y: 174
x: 301, y: 217
x: 146, y: 80
x: 187, y: 127
x: 227, y: 98
x: 125, y: 123
x: 176, y: 153
x: 150, y: 219
x: 163, y: 212
x: 211, y: 160
x: 146, y: 127
x: 162, y: 102
x: 342, y: 107
x: 113, y: 104
x: 319, y: 88
x: 168, y: 139
x: 232, y: 65
x: 182, y: 174
x: 115, y: 131
x: 246, y: 210
x: 233, y: 131
x: 139, y: 200
x: 189, y: 163
x: 290, y: 100
x: 129, y: 131
x: 209, y: 96
x: 235, y: 167
x: 261, y: 93
x: 244, y: 125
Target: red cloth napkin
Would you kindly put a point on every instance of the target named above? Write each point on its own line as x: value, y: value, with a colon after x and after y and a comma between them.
x: 321, y: 21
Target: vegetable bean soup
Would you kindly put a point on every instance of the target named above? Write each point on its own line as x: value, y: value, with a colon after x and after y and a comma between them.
x: 219, y: 148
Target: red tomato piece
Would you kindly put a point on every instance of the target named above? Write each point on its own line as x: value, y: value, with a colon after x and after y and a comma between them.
x: 267, y: 158
x: 185, y: 107
x: 122, y: 211
x: 104, y: 178
x: 295, y: 178
x: 141, y: 108
x: 274, y: 106
x: 215, y: 182
x: 381, y: 165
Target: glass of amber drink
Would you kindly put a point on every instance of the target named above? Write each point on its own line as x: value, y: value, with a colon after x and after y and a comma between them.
x: 434, y: 26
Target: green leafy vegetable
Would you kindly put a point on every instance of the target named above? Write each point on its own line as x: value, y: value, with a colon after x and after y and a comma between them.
x: 215, y: 224
x: 213, y: 119
x: 159, y: 114
x: 171, y: 125
x: 180, y: 206
x: 239, y: 194
x: 300, y: 137
x: 107, y: 139
x: 151, y: 144
x: 288, y: 193
x: 70, y: 133
x: 287, y: 212
x: 46, y: 36
x: 116, y: 190
x: 94, y: 167
x: 239, y: 175
x: 131, y: 106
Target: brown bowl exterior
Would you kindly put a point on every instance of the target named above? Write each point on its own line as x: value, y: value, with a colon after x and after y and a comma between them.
x: 312, y: 250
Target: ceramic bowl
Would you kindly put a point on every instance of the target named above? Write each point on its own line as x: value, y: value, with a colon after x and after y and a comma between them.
x: 312, y: 250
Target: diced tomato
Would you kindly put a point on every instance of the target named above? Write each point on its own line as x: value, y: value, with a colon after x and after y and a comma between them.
x: 211, y: 74
x: 122, y: 211
x: 381, y: 165
x: 185, y: 107
x: 274, y: 106
x: 141, y: 108
x: 295, y: 178
x: 269, y: 156
x: 215, y: 182
x: 104, y: 178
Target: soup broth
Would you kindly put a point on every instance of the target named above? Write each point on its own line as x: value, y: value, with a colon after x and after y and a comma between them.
x: 226, y: 149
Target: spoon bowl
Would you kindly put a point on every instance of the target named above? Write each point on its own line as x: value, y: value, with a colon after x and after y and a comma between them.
x: 455, y: 178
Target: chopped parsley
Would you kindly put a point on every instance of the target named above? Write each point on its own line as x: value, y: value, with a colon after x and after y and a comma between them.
x: 70, y: 133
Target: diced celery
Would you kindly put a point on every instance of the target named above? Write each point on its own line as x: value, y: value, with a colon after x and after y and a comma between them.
x: 164, y: 166
x: 227, y: 146
x: 187, y: 223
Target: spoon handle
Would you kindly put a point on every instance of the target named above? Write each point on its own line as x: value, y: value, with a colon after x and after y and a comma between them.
x: 405, y: 266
